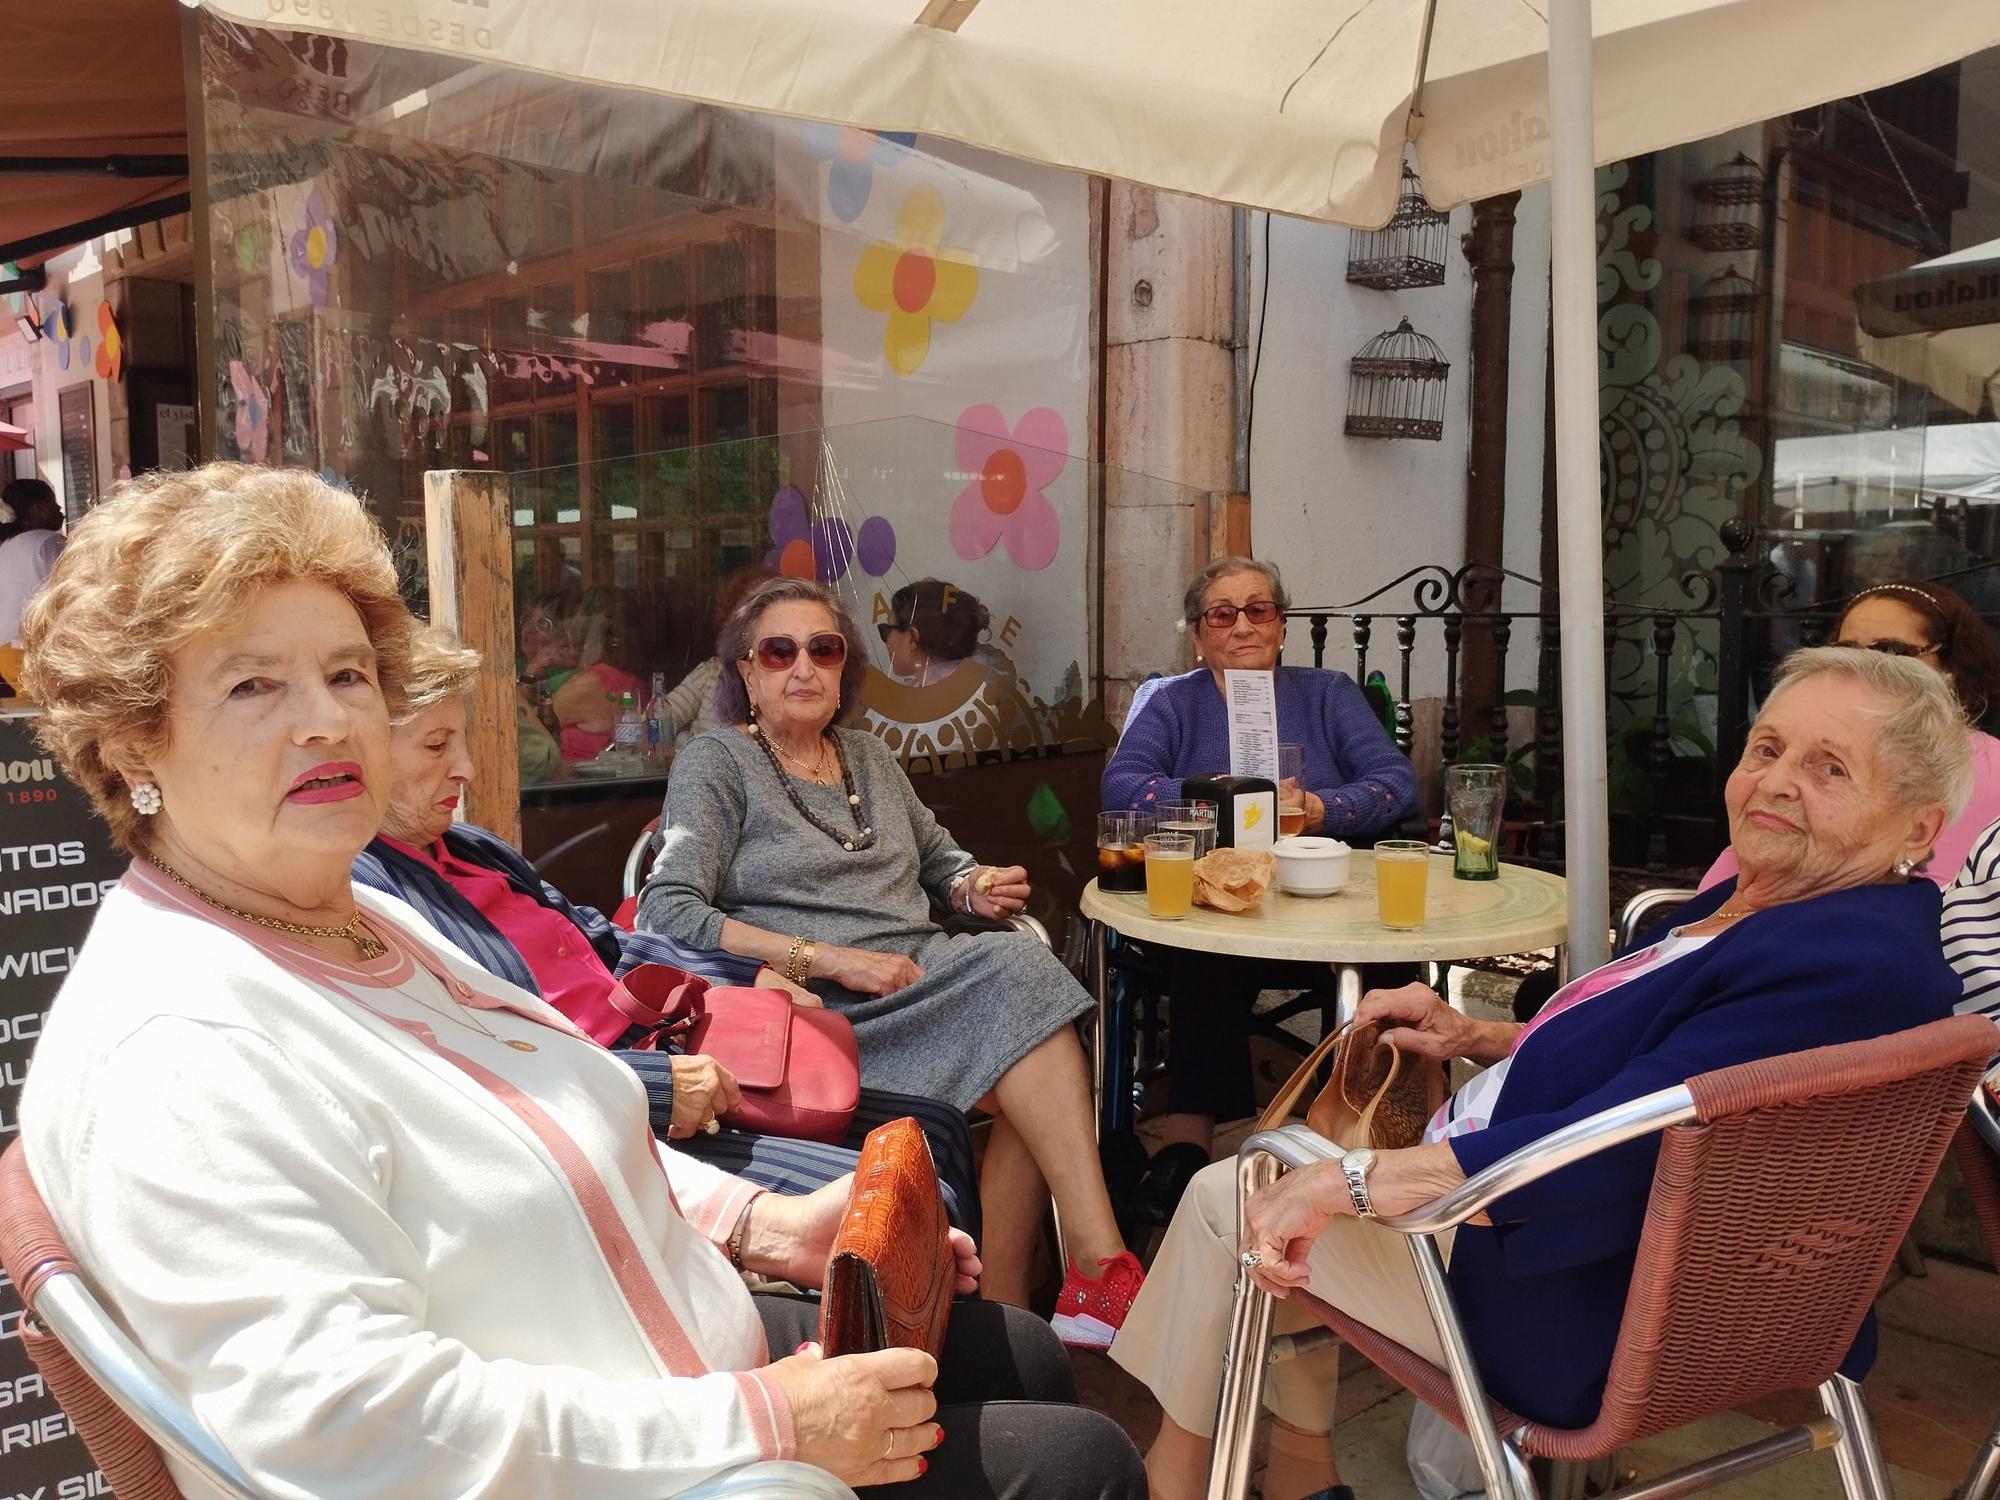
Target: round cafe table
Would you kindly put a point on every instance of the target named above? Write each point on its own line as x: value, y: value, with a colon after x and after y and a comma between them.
x: 1463, y: 919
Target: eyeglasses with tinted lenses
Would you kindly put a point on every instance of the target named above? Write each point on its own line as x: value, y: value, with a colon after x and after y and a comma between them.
x: 1223, y: 616
x: 884, y: 627
x: 776, y: 653
x: 1888, y: 648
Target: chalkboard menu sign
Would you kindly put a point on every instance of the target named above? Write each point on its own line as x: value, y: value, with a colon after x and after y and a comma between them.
x: 56, y: 864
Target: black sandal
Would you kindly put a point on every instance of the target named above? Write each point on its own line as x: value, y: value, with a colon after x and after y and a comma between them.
x: 1167, y: 1177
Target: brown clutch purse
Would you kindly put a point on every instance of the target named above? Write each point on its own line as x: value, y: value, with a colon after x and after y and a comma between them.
x: 889, y: 1278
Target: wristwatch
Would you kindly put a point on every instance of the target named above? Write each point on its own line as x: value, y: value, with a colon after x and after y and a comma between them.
x: 1356, y: 1166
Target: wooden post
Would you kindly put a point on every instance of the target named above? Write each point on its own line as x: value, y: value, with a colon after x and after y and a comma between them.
x: 468, y: 528
x: 1489, y: 249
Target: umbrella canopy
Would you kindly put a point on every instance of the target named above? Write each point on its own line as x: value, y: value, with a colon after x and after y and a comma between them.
x: 1298, y: 106
x: 13, y: 439
x: 1301, y: 107
x: 1939, y: 324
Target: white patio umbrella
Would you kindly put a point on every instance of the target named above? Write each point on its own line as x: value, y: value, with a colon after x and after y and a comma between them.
x: 1296, y: 106
x: 1938, y: 324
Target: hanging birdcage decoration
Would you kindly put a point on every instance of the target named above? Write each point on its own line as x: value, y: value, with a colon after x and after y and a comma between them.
x: 1722, y: 318
x: 1395, y: 387
x: 1406, y: 252
x: 1729, y: 207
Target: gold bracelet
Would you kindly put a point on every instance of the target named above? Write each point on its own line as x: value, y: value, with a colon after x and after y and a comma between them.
x: 735, y: 1246
x: 806, y: 956
x: 792, y: 957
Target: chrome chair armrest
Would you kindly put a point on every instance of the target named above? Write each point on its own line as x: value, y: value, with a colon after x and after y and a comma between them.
x: 1297, y: 1146
x: 1022, y: 922
x: 1640, y: 909
x: 1985, y: 1117
x: 772, y: 1481
x: 67, y: 1308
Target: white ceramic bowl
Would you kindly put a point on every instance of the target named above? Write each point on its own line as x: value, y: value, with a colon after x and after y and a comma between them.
x: 1310, y: 866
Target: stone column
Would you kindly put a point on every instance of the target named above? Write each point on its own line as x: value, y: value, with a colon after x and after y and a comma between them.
x: 1167, y: 425
x: 1489, y: 249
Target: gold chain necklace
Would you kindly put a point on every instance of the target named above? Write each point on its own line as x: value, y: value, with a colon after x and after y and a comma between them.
x: 464, y: 1016
x: 815, y: 773
x: 352, y: 929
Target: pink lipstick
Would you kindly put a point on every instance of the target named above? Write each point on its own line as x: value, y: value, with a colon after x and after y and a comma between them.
x: 336, y: 781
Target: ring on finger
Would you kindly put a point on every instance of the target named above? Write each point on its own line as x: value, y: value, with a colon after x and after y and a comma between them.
x: 888, y: 1447
x: 711, y: 1126
x: 1250, y: 1260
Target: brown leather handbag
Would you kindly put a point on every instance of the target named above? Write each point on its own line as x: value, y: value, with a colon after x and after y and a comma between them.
x: 1375, y: 1097
x: 889, y: 1278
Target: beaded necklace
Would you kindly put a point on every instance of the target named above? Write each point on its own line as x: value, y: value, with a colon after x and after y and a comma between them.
x: 864, y: 834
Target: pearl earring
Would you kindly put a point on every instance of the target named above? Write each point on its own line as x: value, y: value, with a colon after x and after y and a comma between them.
x: 145, y: 799
x: 1906, y: 867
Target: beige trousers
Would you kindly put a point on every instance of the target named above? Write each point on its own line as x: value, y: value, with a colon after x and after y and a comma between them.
x: 1177, y: 1333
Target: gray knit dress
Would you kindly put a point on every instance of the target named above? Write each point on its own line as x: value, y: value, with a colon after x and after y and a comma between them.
x: 736, y: 847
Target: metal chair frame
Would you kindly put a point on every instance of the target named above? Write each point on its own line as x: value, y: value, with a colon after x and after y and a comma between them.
x: 1982, y: 1480
x: 1640, y: 911
x: 1846, y: 1426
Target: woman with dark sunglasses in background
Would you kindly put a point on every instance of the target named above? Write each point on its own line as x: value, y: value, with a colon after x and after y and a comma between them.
x: 1930, y: 623
x: 801, y: 844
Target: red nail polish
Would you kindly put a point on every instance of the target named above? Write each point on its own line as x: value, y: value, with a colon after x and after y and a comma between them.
x: 923, y: 1467
x: 940, y: 1437
x: 803, y: 1347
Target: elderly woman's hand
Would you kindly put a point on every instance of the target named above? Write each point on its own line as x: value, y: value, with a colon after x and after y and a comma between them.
x: 1281, y: 1222
x: 997, y: 893
x: 704, y: 1090
x: 865, y: 972
x: 1424, y: 1026
x: 864, y: 1418
x: 789, y: 1238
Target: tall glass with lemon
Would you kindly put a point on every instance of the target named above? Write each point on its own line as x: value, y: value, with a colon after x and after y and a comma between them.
x: 1475, y: 794
x: 1402, y: 881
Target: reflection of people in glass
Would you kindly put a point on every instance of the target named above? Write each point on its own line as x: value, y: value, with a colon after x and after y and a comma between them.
x: 565, y: 646
x: 937, y: 625
x: 691, y: 705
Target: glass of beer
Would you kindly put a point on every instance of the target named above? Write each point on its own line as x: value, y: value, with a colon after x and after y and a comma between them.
x: 1121, y: 851
x: 1291, y: 790
x: 1196, y: 819
x: 1169, y: 874
x: 1402, y: 873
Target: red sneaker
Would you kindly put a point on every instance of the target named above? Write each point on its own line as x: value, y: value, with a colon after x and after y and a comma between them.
x: 1092, y: 1309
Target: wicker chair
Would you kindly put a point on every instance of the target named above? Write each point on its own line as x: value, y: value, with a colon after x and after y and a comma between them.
x: 1976, y: 1149
x: 130, y: 1419
x: 1782, y: 1189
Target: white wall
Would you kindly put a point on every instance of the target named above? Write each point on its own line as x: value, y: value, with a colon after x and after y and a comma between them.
x: 1343, y: 516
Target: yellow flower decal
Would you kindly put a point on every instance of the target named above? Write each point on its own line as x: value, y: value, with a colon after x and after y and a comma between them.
x: 916, y: 281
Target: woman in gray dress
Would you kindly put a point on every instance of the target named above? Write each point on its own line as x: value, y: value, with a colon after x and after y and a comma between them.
x: 803, y: 846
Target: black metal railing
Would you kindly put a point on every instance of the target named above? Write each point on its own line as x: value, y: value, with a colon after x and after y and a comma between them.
x: 1739, y: 621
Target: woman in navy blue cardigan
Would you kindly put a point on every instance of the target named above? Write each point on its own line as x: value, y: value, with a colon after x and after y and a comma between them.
x: 1854, y: 766
x: 1358, y: 786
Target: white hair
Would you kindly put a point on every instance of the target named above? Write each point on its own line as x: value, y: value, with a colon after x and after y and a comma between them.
x: 1923, y: 739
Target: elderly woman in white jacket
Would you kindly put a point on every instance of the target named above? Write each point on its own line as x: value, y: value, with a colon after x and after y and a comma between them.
x: 389, y: 1225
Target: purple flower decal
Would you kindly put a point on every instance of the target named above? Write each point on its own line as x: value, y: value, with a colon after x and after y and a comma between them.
x: 854, y: 154
x: 316, y: 247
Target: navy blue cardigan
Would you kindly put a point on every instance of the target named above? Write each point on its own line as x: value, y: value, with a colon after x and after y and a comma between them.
x: 1543, y: 1291
x: 386, y: 868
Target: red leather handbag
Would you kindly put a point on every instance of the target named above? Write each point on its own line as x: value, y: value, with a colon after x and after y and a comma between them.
x: 797, y: 1065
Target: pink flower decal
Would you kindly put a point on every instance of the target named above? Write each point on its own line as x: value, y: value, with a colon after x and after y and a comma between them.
x: 316, y: 247
x: 253, y: 413
x: 1007, y: 499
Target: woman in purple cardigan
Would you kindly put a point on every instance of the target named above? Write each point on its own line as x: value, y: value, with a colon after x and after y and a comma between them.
x: 1828, y: 935
x: 1358, y: 787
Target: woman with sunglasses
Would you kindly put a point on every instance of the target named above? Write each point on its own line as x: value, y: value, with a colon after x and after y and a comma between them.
x: 1929, y: 623
x: 935, y: 627
x: 1358, y: 786
x: 801, y: 844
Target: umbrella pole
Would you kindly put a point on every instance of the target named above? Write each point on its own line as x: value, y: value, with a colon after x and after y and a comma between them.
x: 1579, y: 527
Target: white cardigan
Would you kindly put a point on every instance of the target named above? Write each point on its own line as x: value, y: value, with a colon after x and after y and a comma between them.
x: 381, y: 1254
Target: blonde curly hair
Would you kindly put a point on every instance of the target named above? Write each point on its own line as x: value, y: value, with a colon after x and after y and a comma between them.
x: 165, y: 559
x: 441, y: 667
